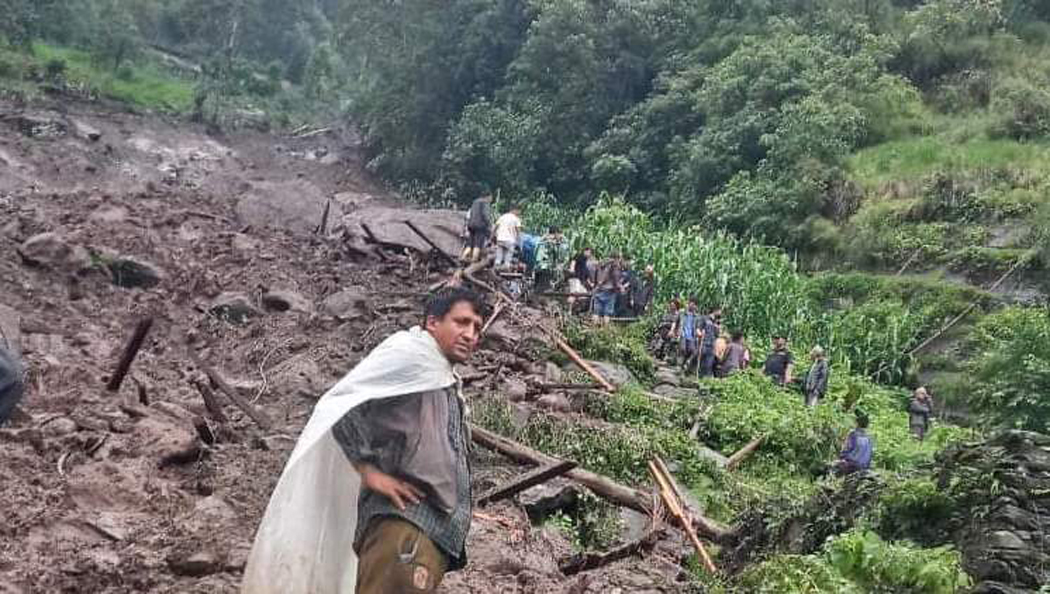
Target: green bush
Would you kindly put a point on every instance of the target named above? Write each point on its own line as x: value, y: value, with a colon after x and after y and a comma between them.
x: 625, y: 345
x: 1011, y: 372
x: 915, y: 509
x: 1023, y: 110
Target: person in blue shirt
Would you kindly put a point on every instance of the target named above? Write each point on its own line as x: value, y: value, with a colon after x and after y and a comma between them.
x: 688, y: 326
x: 857, y: 451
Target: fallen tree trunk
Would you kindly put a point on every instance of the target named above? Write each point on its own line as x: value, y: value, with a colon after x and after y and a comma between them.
x: 448, y: 257
x: 128, y: 356
x: 255, y: 414
x: 601, y: 486
x: 539, y: 475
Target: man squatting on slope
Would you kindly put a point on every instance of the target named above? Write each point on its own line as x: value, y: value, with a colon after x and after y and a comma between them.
x: 412, y: 454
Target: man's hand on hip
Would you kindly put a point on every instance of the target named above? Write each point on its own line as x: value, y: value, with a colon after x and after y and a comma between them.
x: 396, y: 490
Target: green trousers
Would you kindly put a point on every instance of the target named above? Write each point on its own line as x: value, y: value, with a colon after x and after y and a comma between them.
x: 397, y: 558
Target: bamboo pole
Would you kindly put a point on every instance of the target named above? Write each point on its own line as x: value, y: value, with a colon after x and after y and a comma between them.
x: 672, y: 500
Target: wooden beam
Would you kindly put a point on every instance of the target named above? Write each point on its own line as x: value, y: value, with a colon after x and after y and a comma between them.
x: 587, y: 561
x: 672, y: 500
x: 131, y: 349
x: 577, y: 359
x: 744, y: 452
x: 531, y: 479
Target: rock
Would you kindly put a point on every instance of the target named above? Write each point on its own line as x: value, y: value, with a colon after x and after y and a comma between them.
x: 60, y: 427
x: 10, y: 329
x: 712, y: 455
x: 286, y: 300
x: 515, y: 390
x: 668, y: 376
x: 300, y: 375
x: 552, y: 374
x: 501, y: 335
x: 616, y: 374
x: 39, y: 125
x: 50, y: 250
x: 387, y: 226
x: 554, y: 402
x: 292, y: 205
x: 546, y: 498
x: 244, y: 243
x: 233, y: 307
x: 85, y: 131
x: 1005, y: 540
x: 520, y: 416
x: 133, y: 273
x: 346, y: 304
x: 109, y: 215
x: 197, y: 564
x: 635, y: 525
x: 674, y: 391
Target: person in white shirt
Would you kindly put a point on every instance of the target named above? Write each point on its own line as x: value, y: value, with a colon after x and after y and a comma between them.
x: 508, y: 233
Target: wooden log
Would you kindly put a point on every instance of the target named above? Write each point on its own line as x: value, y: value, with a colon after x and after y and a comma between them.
x: 492, y: 318
x: 132, y: 348
x: 672, y: 499
x: 587, y: 561
x: 541, y: 387
x: 211, y: 403
x: 599, y: 485
x: 531, y: 479
x: 451, y: 259
x: 577, y: 359
x: 744, y: 452
x: 322, y: 229
x: 255, y: 414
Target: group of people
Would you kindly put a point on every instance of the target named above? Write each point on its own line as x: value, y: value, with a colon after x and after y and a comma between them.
x: 609, y: 288
x: 703, y: 347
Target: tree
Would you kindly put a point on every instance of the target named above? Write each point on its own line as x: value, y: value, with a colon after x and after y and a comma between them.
x: 117, y: 38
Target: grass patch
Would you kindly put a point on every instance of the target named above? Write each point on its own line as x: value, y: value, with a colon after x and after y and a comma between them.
x: 144, y: 84
x: 911, y: 159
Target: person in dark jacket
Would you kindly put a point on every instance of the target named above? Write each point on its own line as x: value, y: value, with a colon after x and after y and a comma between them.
x: 816, y: 385
x: 736, y: 356
x: 708, y: 331
x: 779, y: 364
x: 919, y: 410
x: 642, y: 290
x: 479, y: 228
x: 11, y: 388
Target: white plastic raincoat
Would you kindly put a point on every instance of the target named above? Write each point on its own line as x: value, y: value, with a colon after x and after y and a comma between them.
x: 305, y: 540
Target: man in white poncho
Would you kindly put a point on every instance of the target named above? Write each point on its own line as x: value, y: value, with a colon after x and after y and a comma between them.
x: 376, y: 495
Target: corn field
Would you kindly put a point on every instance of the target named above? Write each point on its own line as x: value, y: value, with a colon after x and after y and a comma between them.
x: 757, y: 286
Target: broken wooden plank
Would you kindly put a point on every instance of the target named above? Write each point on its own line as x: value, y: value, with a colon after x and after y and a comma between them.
x: 578, y: 360
x: 744, y: 452
x: 211, y: 403
x: 542, y: 387
x: 131, y: 350
x: 499, y: 309
x: 255, y: 414
x: 673, y: 501
x: 531, y: 479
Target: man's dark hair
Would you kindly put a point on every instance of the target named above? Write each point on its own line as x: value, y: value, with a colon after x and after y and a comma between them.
x: 737, y: 336
x: 440, y: 303
x: 862, y: 419
x: 692, y: 301
x: 554, y: 230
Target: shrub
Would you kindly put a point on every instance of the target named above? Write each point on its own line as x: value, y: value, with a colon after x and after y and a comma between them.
x: 915, y: 509
x: 1023, y: 110
x: 55, y: 69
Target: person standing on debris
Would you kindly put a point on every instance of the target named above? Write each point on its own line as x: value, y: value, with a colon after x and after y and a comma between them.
x: 607, y: 287
x: 857, y: 451
x: 688, y: 327
x: 919, y: 410
x: 642, y: 291
x: 508, y: 235
x: 552, y: 255
x: 779, y: 364
x: 581, y: 282
x: 708, y: 331
x: 664, y: 338
x: 11, y: 387
x: 376, y: 497
x: 816, y: 385
x: 734, y: 358
x: 479, y: 228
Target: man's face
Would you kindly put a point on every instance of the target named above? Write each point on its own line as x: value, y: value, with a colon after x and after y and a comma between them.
x: 779, y: 343
x: 457, y: 332
x: 692, y: 307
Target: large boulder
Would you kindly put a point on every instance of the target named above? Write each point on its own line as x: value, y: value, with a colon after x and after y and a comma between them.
x: 51, y: 250
x: 618, y: 375
x: 285, y: 300
x: 349, y: 303
x: 387, y: 226
x: 293, y: 205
